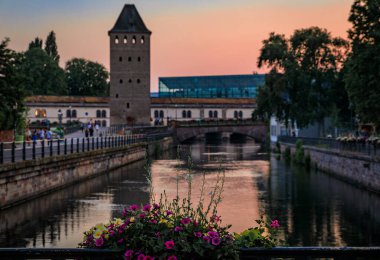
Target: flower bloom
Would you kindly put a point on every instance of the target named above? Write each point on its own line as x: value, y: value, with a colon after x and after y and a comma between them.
x: 172, y: 257
x: 120, y: 241
x: 142, y: 215
x: 213, y: 234
x: 156, y: 206
x: 275, y: 224
x: 153, y: 221
x: 168, y: 213
x: 147, y: 207
x: 206, y: 239
x: 125, y: 212
x: 169, y: 244
x: 134, y: 207
x: 118, y: 221
x: 198, y: 234
x: 128, y: 254
x: 185, y: 221
x: 99, y: 242
x: 178, y: 229
x: 215, y: 241
x: 141, y: 257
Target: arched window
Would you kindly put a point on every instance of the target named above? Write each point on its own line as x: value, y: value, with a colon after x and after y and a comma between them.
x: 215, y: 114
x: 129, y: 58
x: 210, y: 114
x: 120, y: 59
x: 73, y: 113
x: 125, y: 41
x: 98, y: 114
x: 138, y: 80
x: 121, y: 81
x: 116, y: 40
x: 138, y: 59
x: 130, y: 81
x: 188, y: 114
x: 117, y: 95
x: 161, y: 114
x: 68, y: 113
x: 183, y: 113
x: 134, y: 40
x: 155, y: 113
x: 104, y: 123
x: 104, y: 113
x: 142, y: 40
x: 240, y: 114
x: 235, y: 114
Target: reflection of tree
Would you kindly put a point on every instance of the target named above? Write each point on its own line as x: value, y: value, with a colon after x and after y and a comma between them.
x: 315, y: 209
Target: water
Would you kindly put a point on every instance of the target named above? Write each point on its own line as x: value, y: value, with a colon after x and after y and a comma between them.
x: 314, y: 208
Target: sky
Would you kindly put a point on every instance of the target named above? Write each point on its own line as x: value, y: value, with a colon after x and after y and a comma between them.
x: 197, y: 37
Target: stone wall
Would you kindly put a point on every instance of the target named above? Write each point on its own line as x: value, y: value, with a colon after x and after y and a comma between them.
x: 355, y: 168
x: 26, y: 180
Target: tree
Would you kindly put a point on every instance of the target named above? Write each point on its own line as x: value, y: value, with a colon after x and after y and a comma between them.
x: 363, y: 67
x: 36, y: 43
x: 86, y: 78
x: 51, y: 46
x: 42, y: 74
x: 12, y: 92
x: 304, y: 70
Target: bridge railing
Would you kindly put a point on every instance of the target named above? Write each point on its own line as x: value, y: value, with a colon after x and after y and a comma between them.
x: 11, y: 152
x: 298, y: 253
x: 215, y: 122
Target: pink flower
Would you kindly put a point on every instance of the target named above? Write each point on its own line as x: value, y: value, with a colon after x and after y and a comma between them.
x: 169, y: 244
x: 112, y: 233
x: 141, y: 257
x: 125, y: 212
x: 215, y: 241
x: 213, y: 234
x: 128, y: 254
x: 134, y: 207
x: 275, y: 224
x: 172, y: 257
x: 198, y: 234
x: 147, y: 207
x: 178, y: 229
x: 185, y: 221
x: 142, y: 215
x: 156, y: 206
x: 99, y: 242
x: 153, y: 221
x: 120, y: 241
x: 206, y: 239
x: 168, y: 213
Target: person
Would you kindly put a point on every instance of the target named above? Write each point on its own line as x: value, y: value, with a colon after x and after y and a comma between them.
x: 97, y: 128
x: 28, y: 136
x: 86, y: 132
x: 48, y: 135
x: 42, y: 134
x: 34, y: 136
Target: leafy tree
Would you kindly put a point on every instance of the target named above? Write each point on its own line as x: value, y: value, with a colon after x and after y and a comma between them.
x: 12, y: 92
x: 304, y: 71
x: 363, y: 66
x: 51, y: 46
x: 36, y: 43
x: 86, y: 78
x: 42, y: 74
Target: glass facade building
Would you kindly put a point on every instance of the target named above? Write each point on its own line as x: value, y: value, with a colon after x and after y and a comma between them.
x: 230, y: 86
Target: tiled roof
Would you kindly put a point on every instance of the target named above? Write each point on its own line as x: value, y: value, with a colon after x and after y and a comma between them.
x: 129, y: 21
x: 66, y: 99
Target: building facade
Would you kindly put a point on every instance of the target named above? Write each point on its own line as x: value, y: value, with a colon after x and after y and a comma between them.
x: 129, y: 69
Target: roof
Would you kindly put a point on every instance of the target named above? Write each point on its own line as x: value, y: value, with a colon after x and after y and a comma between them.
x: 129, y: 21
x: 66, y: 99
x: 208, y: 101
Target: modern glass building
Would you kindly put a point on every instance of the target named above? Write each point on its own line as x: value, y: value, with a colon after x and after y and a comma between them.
x: 230, y: 86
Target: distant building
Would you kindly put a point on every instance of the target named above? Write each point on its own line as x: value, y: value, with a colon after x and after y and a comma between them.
x: 43, y: 109
x: 129, y: 68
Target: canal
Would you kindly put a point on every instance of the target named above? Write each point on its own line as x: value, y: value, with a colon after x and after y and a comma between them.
x: 314, y: 208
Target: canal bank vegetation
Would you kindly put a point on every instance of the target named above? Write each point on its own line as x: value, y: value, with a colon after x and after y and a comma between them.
x: 299, y: 156
x: 178, y: 228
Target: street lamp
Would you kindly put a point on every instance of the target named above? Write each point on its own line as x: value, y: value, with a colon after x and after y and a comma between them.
x: 14, y: 121
x: 70, y: 115
x: 60, y: 118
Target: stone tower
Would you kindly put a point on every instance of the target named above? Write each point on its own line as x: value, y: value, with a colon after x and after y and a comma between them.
x: 130, y: 69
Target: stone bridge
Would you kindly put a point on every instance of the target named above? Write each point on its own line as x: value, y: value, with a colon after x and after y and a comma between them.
x: 255, y: 130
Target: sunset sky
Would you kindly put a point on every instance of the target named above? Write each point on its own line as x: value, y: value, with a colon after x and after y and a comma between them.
x: 196, y: 37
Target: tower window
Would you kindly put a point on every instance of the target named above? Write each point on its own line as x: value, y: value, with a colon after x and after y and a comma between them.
x: 183, y: 113
x: 121, y: 81
x: 210, y: 114
x: 125, y: 41
x: 130, y: 80
x: 129, y: 58
x: 188, y: 114
x: 215, y: 114
x: 127, y: 105
x: 120, y: 59
x: 116, y: 40
x: 134, y: 40
x: 139, y: 59
x: 138, y: 81
x: 142, y: 40
x: 117, y: 95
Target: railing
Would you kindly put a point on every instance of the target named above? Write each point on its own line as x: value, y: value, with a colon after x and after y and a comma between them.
x: 362, y: 147
x: 297, y: 253
x: 216, y: 122
x: 31, y: 150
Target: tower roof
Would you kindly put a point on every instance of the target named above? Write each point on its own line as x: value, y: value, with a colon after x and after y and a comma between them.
x: 129, y: 21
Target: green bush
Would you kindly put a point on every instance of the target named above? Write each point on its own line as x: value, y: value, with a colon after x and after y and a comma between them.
x: 300, y: 153
x: 287, y: 154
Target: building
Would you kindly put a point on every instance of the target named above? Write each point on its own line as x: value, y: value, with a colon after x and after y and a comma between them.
x: 129, y: 68
x: 42, y: 109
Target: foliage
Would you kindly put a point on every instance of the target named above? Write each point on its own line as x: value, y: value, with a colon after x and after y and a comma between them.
x: 51, y: 47
x: 303, y: 74
x: 363, y: 66
x: 36, y: 43
x: 85, y: 77
x: 299, y: 153
x: 42, y: 74
x: 287, y: 154
x: 12, y: 91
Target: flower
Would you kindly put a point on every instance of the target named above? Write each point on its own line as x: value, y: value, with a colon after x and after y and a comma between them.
x: 169, y: 244
x: 120, y: 241
x: 156, y: 206
x: 168, y: 213
x: 178, y: 229
x: 128, y: 254
x: 215, y: 241
x: 117, y: 221
x: 98, y: 233
x: 213, y: 234
x: 142, y: 215
x: 172, y: 257
x: 141, y: 257
x: 132, y: 219
x: 99, y: 242
x: 185, y: 221
x: 134, y: 207
x: 147, y: 207
x: 206, y: 239
x: 153, y: 221
x: 275, y: 224
x: 198, y: 234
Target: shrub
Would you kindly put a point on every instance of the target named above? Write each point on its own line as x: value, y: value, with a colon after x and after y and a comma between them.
x: 299, y: 154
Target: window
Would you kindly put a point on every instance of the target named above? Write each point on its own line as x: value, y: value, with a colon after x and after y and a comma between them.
x: 184, y: 114
x: 73, y: 113
x: 134, y: 40
x: 125, y: 41
x: 138, y: 81
x: 40, y: 113
x: 117, y: 95
x: 235, y: 114
x: 188, y: 114
x: 215, y: 114
x: 129, y: 58
x: 155, y: 113
x: 116, y: 40
x: 127, y: 105
x: 121, y: 81
x: 120, y: 59
x: 104, y: 123
x: 68, y: 113
x: 240, y: 114
x: 210, y: 114
x: 104, y: 113
x: 138, y: 59
x: 161, y: 114
x: 98, y: 114
x: 142, y: 40
x: 130, y: 80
